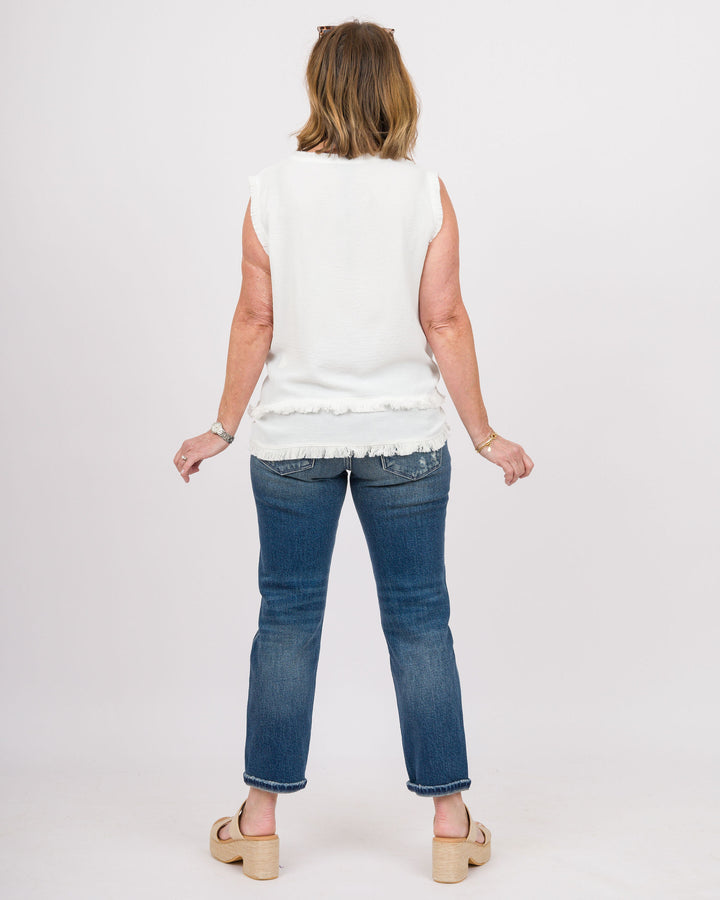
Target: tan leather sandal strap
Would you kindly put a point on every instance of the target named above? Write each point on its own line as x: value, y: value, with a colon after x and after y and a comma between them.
x: 234, y: 824
x: 472, y: 826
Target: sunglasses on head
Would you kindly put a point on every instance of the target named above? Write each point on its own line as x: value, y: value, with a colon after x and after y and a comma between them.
x: 323, y: 29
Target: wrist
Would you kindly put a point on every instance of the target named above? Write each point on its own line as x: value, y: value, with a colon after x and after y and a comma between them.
x: 218, y: 429
x: 482, y: 435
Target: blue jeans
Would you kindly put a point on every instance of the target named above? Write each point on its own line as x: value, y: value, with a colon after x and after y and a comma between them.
x: 401, y: 501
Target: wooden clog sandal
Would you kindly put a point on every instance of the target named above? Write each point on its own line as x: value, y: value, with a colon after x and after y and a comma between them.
x: 452, y: 856
x: 260, y: 854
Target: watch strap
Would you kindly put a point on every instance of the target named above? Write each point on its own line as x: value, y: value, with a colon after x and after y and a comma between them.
x: 218, y: 429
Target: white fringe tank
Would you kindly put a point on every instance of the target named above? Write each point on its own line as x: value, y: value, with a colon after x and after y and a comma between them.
x: 349, y: 371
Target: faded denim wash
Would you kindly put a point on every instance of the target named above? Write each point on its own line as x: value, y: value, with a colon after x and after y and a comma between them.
x: 401, y: 501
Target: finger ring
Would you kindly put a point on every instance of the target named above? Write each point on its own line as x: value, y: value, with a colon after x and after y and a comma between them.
x: 184, y: 457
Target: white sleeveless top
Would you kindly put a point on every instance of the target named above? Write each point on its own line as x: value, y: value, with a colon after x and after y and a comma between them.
x: 350, y: 371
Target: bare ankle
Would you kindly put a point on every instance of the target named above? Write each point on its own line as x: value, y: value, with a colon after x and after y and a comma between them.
x: 449, y: 804
x: 261, y: 801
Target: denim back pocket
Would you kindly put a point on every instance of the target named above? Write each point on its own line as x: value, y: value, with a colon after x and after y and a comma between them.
x: 413, y: 465
x: 287, y: 466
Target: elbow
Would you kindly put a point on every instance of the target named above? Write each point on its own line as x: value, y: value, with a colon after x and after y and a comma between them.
x: 442, y: 312
x: 256, y: 319
x: 449, y: 325
x: 438, y: 326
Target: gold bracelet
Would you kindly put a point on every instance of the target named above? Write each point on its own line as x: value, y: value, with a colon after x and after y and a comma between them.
x: 488, y: 441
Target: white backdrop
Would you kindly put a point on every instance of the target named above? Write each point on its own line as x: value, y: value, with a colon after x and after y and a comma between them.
x: 579, y: 144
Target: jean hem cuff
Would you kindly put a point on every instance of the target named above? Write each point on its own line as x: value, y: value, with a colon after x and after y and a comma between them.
x: 439, y: 789
x: 275, y: 787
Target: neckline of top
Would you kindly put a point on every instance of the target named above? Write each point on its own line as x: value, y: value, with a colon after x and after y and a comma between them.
x: 333, y: 157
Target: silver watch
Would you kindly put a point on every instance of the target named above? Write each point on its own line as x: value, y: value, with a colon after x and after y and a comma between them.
x: 218, y: 429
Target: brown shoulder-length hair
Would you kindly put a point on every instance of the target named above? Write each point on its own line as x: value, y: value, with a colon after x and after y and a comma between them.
x: 362, y: 99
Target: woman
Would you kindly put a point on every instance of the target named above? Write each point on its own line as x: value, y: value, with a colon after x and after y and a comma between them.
x: 350, y: 286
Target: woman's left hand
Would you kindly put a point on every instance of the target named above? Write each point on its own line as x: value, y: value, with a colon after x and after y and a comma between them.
x: 196, y: 450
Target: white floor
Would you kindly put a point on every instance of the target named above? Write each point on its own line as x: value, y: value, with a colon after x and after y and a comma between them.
x: 635, y: 827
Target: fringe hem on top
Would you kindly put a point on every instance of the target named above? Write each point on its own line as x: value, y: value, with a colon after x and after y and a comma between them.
x: 320, y: 451
x: 348, y: 404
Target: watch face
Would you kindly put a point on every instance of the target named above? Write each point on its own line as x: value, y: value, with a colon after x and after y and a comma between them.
x: 216, y: 428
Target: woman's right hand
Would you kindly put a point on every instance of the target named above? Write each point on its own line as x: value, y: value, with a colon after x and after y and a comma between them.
x: 510, y: 457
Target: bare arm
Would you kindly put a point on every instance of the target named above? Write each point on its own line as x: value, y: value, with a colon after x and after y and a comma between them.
x: 251, y: 331
x: 447, y: 326
x: 250, y: 338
